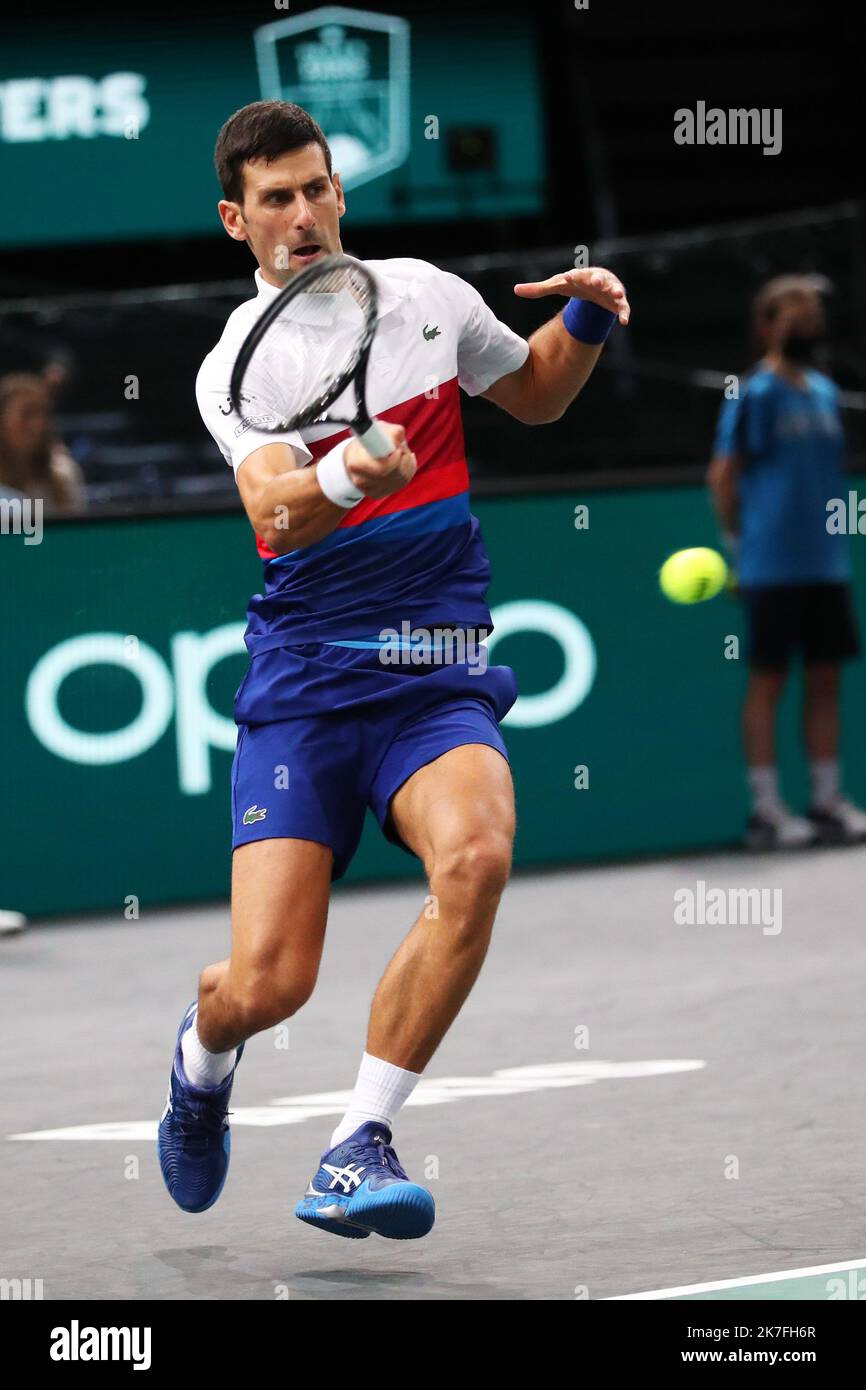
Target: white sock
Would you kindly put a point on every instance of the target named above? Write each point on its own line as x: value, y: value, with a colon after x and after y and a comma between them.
x: 204, y: 1068
x: 764, y: 783
x: 379, y: 1092
x: 824, y: 773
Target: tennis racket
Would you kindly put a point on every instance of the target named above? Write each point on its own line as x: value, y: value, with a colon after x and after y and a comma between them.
x: 309, y: 346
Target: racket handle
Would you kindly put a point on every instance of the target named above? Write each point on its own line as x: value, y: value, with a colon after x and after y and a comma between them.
x: 376, y: 441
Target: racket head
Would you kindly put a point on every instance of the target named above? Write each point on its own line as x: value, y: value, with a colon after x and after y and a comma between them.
x: 295, y: 375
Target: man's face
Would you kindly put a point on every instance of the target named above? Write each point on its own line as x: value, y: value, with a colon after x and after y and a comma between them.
x: 802, y: 315
x: 290, y: 214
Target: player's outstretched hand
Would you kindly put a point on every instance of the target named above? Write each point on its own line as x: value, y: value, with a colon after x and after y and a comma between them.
x: 380, y: 477
x: 595, y: 284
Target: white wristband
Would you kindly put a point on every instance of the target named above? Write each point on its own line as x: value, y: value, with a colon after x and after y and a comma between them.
x: 334, y: 480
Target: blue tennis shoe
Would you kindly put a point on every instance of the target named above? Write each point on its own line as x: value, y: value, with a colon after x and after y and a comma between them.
x: 361, y: 1188
x: 194, y: 1142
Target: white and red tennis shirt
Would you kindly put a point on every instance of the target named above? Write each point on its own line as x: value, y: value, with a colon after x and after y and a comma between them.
x: 418, y: 554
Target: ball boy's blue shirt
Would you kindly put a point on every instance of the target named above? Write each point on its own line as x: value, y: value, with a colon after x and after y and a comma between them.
x: 792, y: 449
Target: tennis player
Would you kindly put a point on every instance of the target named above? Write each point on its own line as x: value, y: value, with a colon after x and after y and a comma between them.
x: 340, y: 709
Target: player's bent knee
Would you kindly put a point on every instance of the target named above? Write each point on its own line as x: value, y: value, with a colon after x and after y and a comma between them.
x: 263, y: 1002
x: 479, y: 864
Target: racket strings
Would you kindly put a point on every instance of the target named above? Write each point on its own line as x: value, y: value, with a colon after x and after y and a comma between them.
x: 344, y: 277
x: 319, y: 339
x: 312, y: 346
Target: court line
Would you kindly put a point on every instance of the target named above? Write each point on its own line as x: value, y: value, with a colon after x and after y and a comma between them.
x: 441, y: 1090
x: 744, y: 1282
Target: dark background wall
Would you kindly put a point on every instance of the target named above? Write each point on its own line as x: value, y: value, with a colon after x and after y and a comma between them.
x: 692, y: 231
x: 612, y: 75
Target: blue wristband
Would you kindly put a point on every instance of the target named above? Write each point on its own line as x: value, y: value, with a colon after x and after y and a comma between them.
x: 587, y: 322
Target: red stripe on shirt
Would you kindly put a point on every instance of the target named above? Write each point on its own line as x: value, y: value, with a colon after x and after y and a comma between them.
x: 434, y: 432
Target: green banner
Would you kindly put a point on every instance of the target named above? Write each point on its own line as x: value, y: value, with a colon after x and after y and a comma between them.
x: 107, y: 133
x: 122, y: 649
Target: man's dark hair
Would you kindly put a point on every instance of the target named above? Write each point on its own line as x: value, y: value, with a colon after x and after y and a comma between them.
x: 772, y: 295
x: 263, y: 130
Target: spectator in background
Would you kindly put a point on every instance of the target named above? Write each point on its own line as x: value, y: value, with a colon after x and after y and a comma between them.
x: 34, y: 462
x: 778, y: 460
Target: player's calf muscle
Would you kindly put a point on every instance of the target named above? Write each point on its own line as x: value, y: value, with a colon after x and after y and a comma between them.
x: 280, y: 893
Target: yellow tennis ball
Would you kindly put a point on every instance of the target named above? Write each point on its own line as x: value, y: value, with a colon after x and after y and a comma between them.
x: 690, y: 576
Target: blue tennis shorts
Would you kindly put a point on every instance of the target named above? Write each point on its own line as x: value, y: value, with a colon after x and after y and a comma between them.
x: 313, y: 775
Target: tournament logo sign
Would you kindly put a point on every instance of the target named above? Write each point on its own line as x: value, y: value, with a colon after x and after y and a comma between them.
x: 350, y: 70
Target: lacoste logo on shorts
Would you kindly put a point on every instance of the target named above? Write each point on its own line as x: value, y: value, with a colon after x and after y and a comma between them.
x: 254, y: 813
